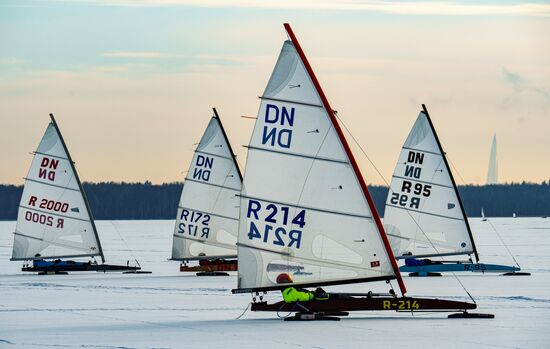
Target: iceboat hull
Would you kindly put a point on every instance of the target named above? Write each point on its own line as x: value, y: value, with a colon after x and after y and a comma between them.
x: 63, y: 267
x: 347, y: 304
x: 424, y: 270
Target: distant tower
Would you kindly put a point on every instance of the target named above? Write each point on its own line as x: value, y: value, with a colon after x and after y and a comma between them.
x: 492, y: 174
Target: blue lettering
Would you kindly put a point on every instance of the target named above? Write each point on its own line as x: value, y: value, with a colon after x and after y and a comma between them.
x: 201, y: 174
x: 271, y: 107
x: 269, y: 137
x: 287, y: 116
x: 253, y: 208
x: 295, y: 237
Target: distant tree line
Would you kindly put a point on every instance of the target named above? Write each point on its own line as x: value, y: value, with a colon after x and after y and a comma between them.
x: 113, y: 200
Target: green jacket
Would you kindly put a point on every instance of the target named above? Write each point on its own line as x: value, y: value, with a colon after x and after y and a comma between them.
x: 290, y: 294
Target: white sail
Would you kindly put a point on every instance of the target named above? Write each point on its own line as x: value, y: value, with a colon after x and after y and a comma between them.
x: 424, y: 215
x: 208, y: 214
x: 303, y: 210
x: 53, y: 219
x: 492, y: 173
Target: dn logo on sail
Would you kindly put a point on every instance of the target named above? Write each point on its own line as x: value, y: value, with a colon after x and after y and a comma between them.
x: 47, y: 168
x: 277, y: 131
x: 203, y: 167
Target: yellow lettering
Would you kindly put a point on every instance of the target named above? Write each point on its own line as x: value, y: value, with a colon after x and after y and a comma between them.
x: 386, y: 305
x: 401, y: 305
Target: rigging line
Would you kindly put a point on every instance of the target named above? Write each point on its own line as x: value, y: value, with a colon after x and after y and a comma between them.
x: 114, y: 224
x: 456, y: 170
x: 245, y: 310
x: 390, y: 190
x: 289, y: 312
x: 490, y: 223
x: 503, y: 243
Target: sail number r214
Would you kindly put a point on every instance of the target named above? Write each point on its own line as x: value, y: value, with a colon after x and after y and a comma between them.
x: 400, y: 304
x: 273, y: 224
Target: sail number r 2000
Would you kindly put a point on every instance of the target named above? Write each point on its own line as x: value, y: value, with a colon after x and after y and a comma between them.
x: 273, y: 224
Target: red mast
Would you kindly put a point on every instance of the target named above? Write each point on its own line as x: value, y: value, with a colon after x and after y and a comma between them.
x: 330, y: 112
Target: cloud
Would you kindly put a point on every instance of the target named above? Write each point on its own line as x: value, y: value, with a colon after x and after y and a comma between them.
x: 520, y: 84
x: 424, y: 7
x: 138, y: 54
x: 11, y: 61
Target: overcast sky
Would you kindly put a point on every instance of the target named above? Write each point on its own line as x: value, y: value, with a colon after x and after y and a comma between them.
x: 132, y: 82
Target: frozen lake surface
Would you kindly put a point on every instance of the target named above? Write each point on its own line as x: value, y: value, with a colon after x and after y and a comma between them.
x: 168, y: 309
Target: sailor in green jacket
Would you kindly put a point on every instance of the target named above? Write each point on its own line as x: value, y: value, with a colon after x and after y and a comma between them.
x: 291, y: 294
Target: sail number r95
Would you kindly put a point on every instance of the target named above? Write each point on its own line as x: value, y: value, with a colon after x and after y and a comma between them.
x: 273, y: 224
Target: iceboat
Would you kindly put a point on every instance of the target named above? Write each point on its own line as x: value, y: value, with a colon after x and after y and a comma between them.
x: 207, y: 220
x: 54, y: 221
x: 305, y: 204
x: 424, y: 215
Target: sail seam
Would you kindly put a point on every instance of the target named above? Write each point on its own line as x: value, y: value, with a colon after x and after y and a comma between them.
x: 211, y: 184
x: 424, y: 151
x: 240, y: 244
x: 54, y: 214
x: 51, y: 155
x: 398, y: 236
x: 294, y: 102
x: 211, y: 154
x: 321, y: 262
x: 51, y: 242
x: 206, y: 242
x: 208, y: 213
x: 53, y: 185
x: 428, y: 213
x: 308, y: 207
x: 419, y: 181
x: 298, y: 155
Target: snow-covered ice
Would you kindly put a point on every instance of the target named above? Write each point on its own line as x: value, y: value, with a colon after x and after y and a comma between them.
x: 169, y: 309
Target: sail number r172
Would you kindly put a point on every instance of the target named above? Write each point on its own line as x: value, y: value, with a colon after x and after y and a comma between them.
x: 273, y: 224
x: 193, y: 223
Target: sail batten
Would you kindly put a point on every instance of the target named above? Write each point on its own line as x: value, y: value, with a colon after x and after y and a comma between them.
x: 208, y: 212
x: 214, y: 155
x: 299, y: 155
x: 423, y: 212
x: 211, y: 184
x: 54, y: 219
x: 315, y: 216
x: 291, y: 101
x: 51, y: 155
x: 423, y: 203
x: 53, y: 214
x: 308, y: 207
x: 424, y: 182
